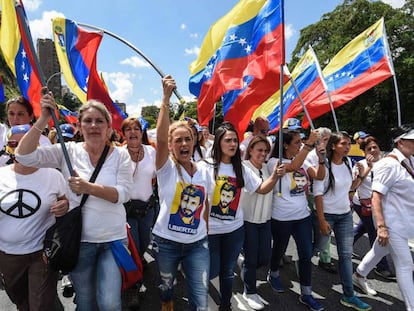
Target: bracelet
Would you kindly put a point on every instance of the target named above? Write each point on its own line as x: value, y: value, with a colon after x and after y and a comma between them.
x: 38, y: 129
x: 321, y: 162
x: 360, y: 177
x: 382, y: 227
x: 310, y: 146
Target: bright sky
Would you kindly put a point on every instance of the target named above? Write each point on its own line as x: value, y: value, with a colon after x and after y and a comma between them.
x: 168, y: 32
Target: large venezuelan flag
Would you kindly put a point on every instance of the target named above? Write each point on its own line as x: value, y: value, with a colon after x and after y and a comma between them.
x: 76, y: 49
x: 307, y: 78
x: 17, y: 57
x: 77, y: 52
x: 360, y: 65
x: 246, y: 46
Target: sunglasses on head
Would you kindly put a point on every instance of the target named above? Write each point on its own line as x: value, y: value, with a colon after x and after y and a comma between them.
x: 12, y: 143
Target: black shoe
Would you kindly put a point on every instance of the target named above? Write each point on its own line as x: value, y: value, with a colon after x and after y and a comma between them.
x: 225, y: 307
x: 386, y: 274
x: 328, y: 267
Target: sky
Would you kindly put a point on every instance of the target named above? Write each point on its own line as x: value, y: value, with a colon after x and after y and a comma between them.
x: 168, y: 32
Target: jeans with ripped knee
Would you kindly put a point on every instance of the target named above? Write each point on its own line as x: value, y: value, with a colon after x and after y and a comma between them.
x: 195, y: 259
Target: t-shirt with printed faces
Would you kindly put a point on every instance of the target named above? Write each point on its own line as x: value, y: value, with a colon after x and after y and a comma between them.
x: 226, y: 214
x: 293, y: 203
x: 25, y: 208
x: 182, y: 202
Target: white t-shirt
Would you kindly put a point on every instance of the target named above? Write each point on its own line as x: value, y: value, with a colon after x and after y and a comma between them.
x: 364, y: 191
x: 293, y: 203
x: 226, y: 215
x: 335, y: 201
x: 103, y: 221
x: 182, y: 203
x: 257, y: 208
x: 143, y: 173
x: 3, y: 135
x: 25, y: 208
x: 393, y: 181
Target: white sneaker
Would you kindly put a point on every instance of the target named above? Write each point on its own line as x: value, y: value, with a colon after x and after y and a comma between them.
x: 363, y: 284
x: 253, y: 301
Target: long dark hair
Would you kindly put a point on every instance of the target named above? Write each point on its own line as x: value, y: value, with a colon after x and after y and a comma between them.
x: 333, y: 140
x: 216, y: 153
x: 287, y: 138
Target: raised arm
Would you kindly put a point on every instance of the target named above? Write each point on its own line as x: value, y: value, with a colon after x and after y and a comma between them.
x: 30, y: 140
x: 163, y: 122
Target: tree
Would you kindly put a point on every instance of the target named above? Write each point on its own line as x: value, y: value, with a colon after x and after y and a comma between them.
x: 375, y: 110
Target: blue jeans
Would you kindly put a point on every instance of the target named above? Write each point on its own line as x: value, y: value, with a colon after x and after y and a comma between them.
x: 301, y: 230
x: 257, y: 250
x: 342, y: 226
x: 195, y: 258
x: 97, y: 279
x: 141, y: 230
x: 366, y: 225
x: 224, y: 251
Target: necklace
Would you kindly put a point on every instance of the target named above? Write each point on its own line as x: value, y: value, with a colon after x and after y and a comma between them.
x: 136, y: 156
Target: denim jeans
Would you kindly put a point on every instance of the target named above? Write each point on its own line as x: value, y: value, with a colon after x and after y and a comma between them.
x: 301, y: 230
x: 257, y: 251
x: 342, y: 226
x: 366, y: 225
x: 141, y: 230
x: 224, y: 251
x: 97, y: 279
x: 195, y: 258
x: 321, y: 244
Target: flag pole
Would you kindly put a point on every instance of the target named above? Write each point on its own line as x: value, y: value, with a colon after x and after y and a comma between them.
x: 295, y: 87
x: 153, y: 65
x: 318, y: 66
x: 38, y: 69
x: 394, y: 77
x: 280, y: 125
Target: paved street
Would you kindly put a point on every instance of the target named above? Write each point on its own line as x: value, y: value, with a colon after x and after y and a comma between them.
x: 326, y: 287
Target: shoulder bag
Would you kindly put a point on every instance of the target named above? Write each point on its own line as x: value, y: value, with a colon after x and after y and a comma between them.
x: 62, y: 241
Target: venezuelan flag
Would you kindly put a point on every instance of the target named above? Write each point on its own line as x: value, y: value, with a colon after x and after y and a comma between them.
x: 360, y: 65
x: 307, y: 78
x: 2, y: 98
x: 76, y: 49
x: 17, y: 55
x: 70, y: 116
x: 245, y: 45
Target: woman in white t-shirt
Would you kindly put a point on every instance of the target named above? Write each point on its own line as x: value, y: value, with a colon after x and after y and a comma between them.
x: 226, y: 230
x: 29, y: 208
x: 334, y: 210
x: 96, y: 278
x: 180, y: 231
x: 291, y: 215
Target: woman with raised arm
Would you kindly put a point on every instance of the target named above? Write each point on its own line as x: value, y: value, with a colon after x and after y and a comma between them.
x: 180, y: 232
x: 96, y: 278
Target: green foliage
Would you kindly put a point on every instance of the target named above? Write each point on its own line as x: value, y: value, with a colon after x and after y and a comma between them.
x: 375, y: 111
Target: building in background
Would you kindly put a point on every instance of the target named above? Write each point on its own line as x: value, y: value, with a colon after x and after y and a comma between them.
x: 50, y: 65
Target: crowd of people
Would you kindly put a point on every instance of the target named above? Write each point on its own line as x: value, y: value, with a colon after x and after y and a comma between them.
x: 204, y: 202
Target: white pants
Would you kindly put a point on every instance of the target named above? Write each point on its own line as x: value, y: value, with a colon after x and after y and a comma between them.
x: 403, y: 262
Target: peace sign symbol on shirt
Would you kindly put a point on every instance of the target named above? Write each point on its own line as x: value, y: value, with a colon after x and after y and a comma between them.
x: 20, y: 209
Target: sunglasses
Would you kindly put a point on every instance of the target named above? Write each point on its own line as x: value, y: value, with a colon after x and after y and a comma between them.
x: 12, y: 143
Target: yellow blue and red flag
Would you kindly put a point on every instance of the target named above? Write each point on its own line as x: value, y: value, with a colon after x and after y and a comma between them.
x: 70, y: 116
x: 242, y: 51
x: 77, y: 49
x: 360, y: 65
x: 14, y: 44
x: 307, y: 78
